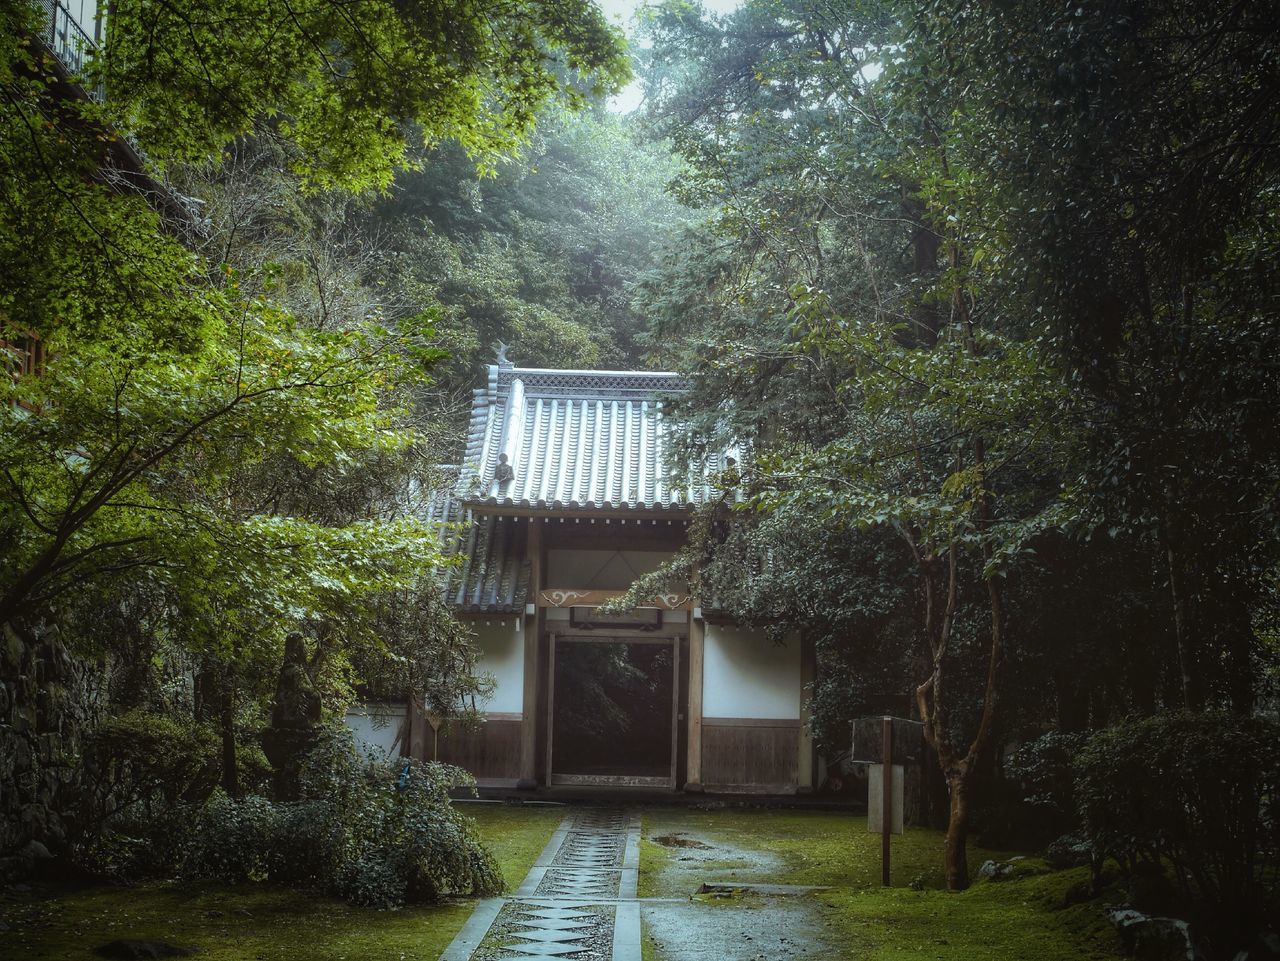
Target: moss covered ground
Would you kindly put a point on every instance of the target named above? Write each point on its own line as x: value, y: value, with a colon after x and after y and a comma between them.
x: 1039, y: 916
x: 257, y: 922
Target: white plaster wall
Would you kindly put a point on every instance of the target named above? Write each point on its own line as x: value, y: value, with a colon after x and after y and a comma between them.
x: 601, y: 570
x: 745, y: 674
x: 376, y: 727
x: 502, y: 655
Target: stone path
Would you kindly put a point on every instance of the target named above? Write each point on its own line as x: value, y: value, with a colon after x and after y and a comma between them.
x: 578, y: 901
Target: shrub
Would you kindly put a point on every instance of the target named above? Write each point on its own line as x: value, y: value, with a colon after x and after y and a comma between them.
x: 1043, y: 771
x: 1035, y: 802
x: 361, y: 830
x: 231, y: 839
x: 151, y: 758
x: 1198, y: 794
x: 139, y: 767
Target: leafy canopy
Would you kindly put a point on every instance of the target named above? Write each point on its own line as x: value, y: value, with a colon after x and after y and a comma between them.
x: 352, y: 85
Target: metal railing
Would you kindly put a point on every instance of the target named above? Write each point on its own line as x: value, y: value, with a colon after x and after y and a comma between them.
x: 67, y: 36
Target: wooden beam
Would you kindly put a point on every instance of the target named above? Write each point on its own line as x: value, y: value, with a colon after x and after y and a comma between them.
x: 675, y: 709
x: 612, y: 517
x: 574, y: 535
x: 529, y: 707
x: 808, y: 673
x: 610, y: 635
x: 551, y: 705
x: 788, y: 723
x: 693, y: 755
x: 573, y: 597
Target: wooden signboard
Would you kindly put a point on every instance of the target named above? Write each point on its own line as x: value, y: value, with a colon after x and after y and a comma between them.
x: 875, y: 798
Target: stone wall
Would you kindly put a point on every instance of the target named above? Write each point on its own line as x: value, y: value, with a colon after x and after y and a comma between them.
x: 48, y: 702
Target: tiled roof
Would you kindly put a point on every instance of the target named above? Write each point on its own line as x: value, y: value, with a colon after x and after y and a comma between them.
x: 491, y: 574
x: 494, y: 577
x: 581, y: 440
x: 575, y: 439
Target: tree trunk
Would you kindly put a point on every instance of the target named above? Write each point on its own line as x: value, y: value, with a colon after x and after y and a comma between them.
x: 295, y: 720
x: 956, y: 857
x: 1184, y: 631
x: 230, y: 767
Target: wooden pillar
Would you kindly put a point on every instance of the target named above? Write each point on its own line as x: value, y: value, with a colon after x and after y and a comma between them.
x: 808, y: 672
x: 415, y: 745
x: 531, y: 627
x: 697, y: 641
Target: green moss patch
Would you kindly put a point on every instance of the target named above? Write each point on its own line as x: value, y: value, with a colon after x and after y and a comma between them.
x: 1035, y: 915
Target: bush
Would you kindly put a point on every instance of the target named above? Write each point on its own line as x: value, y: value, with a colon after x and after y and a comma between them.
x: 1198, y: 794
x: 151, y: 758
x: 231, y: 840
x: 1035, y: 802
x: 361, y: 831
x: 1043, y: 771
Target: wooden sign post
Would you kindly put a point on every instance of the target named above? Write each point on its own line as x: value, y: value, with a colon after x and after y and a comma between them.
x: 878, y: 742
x: 885, y: 797
x: 886, y: 802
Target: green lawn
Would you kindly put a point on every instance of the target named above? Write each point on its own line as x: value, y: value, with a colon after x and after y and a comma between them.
x: 1026, y: 918
x: 1015, y: 920
x: 260, y: 923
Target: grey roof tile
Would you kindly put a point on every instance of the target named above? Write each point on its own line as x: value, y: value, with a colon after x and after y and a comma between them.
x: 577, y: 439
x: 580, y: 440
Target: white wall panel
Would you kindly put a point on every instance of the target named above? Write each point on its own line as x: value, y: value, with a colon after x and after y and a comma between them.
x: 502, y: 655
x: 601, y: 570
x: 376, y: 727
x: 745, y: 674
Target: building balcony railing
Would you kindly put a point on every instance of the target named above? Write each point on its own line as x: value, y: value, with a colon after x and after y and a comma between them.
x: 73, y: 37
x: 73, y: 32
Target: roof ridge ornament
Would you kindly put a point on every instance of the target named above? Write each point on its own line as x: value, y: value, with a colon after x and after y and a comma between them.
x: 500, y: 353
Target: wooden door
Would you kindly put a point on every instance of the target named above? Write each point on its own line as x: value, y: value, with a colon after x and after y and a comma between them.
x: 576, y: 762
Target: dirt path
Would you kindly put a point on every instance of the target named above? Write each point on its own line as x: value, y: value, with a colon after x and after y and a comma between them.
x: 744, y: 917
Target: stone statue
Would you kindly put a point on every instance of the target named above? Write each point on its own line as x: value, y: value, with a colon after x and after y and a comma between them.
x: 504, y: 471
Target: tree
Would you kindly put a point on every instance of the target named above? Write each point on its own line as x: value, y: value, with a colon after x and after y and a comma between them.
x: 1118, y: 169
x: 543, y: 254
x: 213, y: 438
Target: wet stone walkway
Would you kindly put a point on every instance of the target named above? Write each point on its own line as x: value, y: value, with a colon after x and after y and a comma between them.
x: 578, y: 901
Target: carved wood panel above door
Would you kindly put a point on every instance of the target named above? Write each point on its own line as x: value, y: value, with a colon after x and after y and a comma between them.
x: 569, y: 597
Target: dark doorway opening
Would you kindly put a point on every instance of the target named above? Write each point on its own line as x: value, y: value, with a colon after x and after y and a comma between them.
x: 613, y: 711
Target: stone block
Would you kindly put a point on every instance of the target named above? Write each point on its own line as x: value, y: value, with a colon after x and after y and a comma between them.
x: 1150, y: 938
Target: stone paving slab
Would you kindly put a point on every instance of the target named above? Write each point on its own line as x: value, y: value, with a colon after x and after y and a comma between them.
x: 577, y: 903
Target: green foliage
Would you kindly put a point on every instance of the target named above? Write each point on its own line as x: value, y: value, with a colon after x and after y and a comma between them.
x: 1088, y: 173
x: 1197, y: 793
x: 859, y: 220
x: 543, y: 254
x: 351, y: 87
x: 356, y: 832
x: 228, y: 439
x: 229, y: 839
x: 1042, y: 776
x: 1042, y: 769
x: 174, y: 757
x: 253, y: 921
x: 160, y: 390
